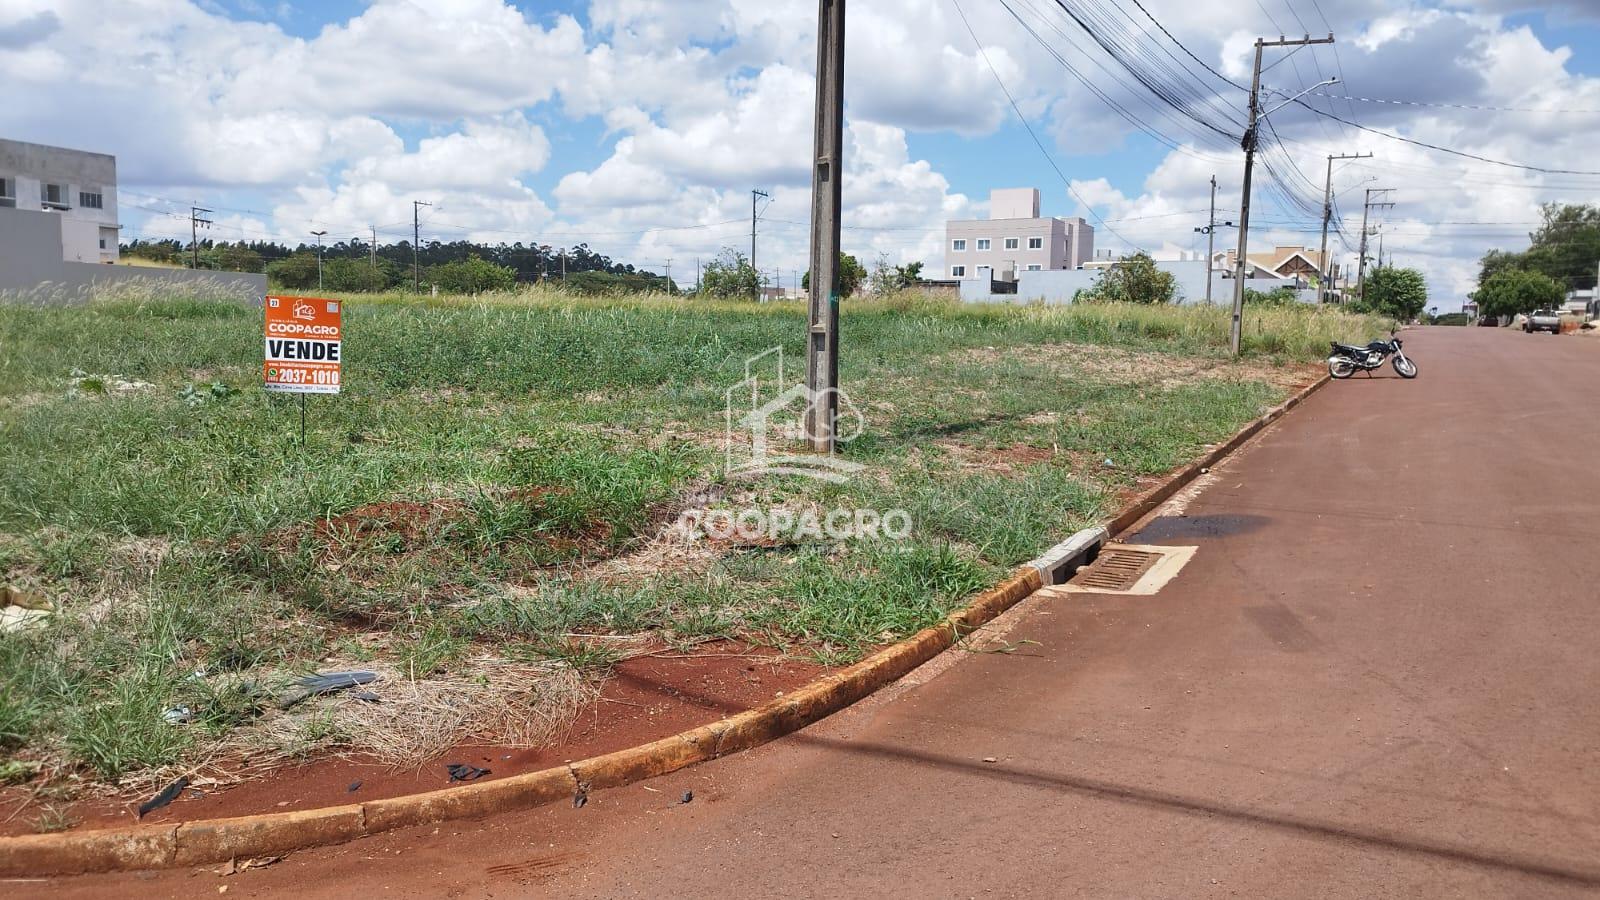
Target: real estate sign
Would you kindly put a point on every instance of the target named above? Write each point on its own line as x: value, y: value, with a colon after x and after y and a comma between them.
x: 304, y: 347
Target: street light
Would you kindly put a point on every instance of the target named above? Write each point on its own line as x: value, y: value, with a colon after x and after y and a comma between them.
x: 1211, y: 242
x: 319, y: 235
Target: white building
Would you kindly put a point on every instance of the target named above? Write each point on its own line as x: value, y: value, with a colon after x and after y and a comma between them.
x: 77, y: 186
x: 1015, y: 239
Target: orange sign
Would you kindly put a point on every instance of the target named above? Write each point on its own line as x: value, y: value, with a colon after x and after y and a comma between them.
x: 304, y: 347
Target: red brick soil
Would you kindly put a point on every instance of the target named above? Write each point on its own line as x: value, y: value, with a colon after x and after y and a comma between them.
x: 645, y: 699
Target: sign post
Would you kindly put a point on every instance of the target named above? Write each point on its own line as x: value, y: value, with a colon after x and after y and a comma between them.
x: 304, y: 348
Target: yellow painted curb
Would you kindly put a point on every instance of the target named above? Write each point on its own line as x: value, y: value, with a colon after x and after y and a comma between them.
x: 217, y: 840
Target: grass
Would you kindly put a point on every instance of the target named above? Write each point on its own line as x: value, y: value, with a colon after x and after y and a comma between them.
x: 494, y: 484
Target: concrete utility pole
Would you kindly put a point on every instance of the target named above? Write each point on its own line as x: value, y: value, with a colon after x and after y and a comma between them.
x: 822, y: 334
x: 1235, y: 331
x: 372, y: 249
x: 197, y: 217
x: 1210, y: 230
x: 669, y: 275
x: 416, y: 238
x: 1361, y: 263
x: 753, y: 195
x: 318, y: 235
x: 1327, y: 215
x: 1211, y: 237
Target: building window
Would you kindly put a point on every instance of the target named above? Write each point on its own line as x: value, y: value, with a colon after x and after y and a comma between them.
x: 958, y: 244
x: 102, y: 243
x: 983, y: 243
x: 51, y: 195
x: 1035, y: 267
x: 89, y: 200
x: 1011, y: 243
x: 958, y: 271
x: 8, y: 192
x: 1036, y: 243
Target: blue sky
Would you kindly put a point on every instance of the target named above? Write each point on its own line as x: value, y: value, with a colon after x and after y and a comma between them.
x: 600, y: 121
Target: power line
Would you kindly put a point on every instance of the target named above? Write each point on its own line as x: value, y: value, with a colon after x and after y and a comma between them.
x: 1468, y: 106
x: 1031, y: 133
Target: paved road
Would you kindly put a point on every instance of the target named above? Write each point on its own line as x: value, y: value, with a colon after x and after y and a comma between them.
x: 1377, y: 677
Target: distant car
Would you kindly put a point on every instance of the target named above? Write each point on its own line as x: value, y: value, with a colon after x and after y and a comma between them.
x: 1543, y: 320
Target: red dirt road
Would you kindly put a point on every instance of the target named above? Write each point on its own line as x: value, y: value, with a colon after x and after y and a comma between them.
x: 1376, y: 677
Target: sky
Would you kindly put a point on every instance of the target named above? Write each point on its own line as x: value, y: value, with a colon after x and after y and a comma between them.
x: 640, y: 127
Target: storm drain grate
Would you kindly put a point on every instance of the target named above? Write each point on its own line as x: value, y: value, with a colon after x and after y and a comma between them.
x: 1116, y: 569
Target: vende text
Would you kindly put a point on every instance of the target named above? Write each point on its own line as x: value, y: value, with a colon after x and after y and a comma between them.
x: 317, y: 351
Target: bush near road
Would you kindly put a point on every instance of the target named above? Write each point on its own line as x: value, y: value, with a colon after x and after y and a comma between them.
x: 489, y: 493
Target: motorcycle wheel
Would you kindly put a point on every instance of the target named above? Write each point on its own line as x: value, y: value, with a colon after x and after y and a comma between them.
x: 1405, y: 367
x: 1341, y: 368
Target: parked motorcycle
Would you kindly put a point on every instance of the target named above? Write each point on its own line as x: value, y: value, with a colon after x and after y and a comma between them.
x: 1348, y: 359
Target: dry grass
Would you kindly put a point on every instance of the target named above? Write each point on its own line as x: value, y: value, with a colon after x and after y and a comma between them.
x: 492, y: 702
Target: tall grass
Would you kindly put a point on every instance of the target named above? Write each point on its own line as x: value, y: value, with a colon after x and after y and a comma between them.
x: 545, y: 433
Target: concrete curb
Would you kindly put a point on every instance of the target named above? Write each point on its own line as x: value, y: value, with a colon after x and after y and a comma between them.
x: 217, y: 840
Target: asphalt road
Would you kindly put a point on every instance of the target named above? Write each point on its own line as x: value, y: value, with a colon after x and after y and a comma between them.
x: 1377, y: 677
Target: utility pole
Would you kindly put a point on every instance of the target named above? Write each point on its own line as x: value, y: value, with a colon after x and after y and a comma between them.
x: 372, y: 249
x: 753, y: 195
x: 1361, y: 263
x: 416, y: 238
x: 564, y: 267
x: 1235, y: 330
x: 318, y: 235
x: 822, y: 335
x: 1327, y: 215
x: 1211, y: 237
x: 197, y: 217
x: 1210, y: 242
x: 697, y: 274
x: 669, y: 275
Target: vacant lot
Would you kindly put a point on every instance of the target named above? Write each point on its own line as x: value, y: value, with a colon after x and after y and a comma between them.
x: 485, y: 515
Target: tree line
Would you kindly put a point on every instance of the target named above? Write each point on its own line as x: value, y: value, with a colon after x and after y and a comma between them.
x: 1562, y: 255
x: 454, y: 266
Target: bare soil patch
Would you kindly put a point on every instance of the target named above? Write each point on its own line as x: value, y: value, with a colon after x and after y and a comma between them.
x: 645, y: 698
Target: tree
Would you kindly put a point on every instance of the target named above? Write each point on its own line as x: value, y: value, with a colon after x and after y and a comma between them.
x: 231, y: 258
x: 887, y: 278
x: 851, y: 275
x: 298, y: 271
x: 359, y: 275
x: 1278, y: 296
x: 1133, y: 279
x: 1515, y: 291
x: 473, y: 275
x: 1565, y: 247
x: 1394, y: 292
x: 730, y: 276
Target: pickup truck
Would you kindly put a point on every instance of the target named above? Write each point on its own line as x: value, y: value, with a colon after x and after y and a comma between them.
x: 1543, y: 320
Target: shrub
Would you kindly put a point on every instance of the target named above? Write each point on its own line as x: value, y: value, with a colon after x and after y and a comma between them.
x: 473, y: 275
x: 1133, y: 279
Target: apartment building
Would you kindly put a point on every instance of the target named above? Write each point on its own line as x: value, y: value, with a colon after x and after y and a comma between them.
x: 78, y: 187
x: 1015, y: 239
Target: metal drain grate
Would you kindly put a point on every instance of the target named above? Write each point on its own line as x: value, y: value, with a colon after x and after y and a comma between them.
x: 1116, y: 569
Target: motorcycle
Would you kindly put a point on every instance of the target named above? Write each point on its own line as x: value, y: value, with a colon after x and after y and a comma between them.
x: 1347, y: 359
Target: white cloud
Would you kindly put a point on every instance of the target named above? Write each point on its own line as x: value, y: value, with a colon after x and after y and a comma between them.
x: 456, y: 101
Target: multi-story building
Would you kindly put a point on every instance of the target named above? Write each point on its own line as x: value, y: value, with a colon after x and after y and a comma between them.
x: 1015, y: 239
x: 77, y: 186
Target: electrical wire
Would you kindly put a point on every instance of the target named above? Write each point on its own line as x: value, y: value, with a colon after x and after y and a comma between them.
x: 1031, y: 133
